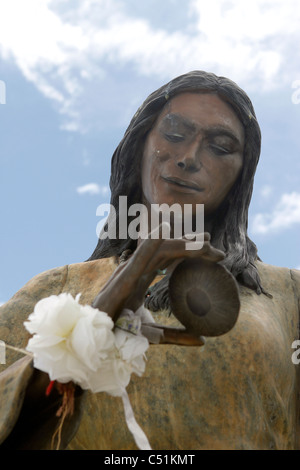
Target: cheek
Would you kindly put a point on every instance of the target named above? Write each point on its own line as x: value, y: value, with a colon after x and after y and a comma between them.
x: 149, y: 170
x: 148, y: 167
x: 232, y: 172
x: 147, y: 158
x: 225, y: 174
x: 235, y: 168
x: 155, y: 155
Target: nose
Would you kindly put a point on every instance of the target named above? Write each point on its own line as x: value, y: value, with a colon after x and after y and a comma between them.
x: 190, y: 160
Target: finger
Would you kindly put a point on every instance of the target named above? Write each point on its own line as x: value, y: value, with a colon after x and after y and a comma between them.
x: 189, y: 236
x: 172, y: 250
x: 147, y: 249
x: 211, y: 253
x: 181, y: 337
x: 126, y: 277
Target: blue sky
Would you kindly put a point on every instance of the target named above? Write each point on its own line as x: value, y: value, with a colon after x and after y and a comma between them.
x: 74, y: 72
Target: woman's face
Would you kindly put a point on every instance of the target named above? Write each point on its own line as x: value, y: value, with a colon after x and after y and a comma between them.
x: 194, y: 153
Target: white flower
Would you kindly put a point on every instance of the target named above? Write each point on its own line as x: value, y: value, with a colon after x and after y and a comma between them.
x: 77, y: 343
x: 128, y: 357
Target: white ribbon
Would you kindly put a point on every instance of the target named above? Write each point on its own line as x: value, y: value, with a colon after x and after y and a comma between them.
x: 136, y: 431
x: 132, y: 322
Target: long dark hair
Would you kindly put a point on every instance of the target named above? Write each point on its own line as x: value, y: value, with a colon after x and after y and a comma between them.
x: 230, y: 221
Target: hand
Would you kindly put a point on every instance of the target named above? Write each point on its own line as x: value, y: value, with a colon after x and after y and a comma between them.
x: 127, y: 286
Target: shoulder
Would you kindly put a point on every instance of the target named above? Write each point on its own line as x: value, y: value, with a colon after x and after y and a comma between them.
x: 60, y: 279
x: 86, y: 278
x: 279, y: 279
x: 295, y: 275
x: 270, y: 271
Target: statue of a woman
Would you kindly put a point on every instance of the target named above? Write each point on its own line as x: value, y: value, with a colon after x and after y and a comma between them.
x: 194, y: 141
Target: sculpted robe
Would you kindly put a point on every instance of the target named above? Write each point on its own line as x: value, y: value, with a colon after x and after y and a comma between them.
x: 239, y: 391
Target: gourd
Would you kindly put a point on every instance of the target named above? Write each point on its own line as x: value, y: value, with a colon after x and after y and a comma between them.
x: 204, y: 297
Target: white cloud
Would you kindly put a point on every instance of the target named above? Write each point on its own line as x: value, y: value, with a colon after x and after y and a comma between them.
x: 93, y: 188
x: 65, y: 47
x: 285, y: 215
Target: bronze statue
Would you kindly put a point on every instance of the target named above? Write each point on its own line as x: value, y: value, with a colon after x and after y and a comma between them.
x: 194, y: 141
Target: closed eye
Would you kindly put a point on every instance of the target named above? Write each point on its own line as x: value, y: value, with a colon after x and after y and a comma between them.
x: 174, y: 137
x: 218, y: 150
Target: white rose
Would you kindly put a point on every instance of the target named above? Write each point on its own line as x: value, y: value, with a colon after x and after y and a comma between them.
x: 77, y: 343
x: 132, y: 350
x: 127, y: 357
x: 70, y: 340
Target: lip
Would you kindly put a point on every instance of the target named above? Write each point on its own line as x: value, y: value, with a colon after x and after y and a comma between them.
x: 182, y: 183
